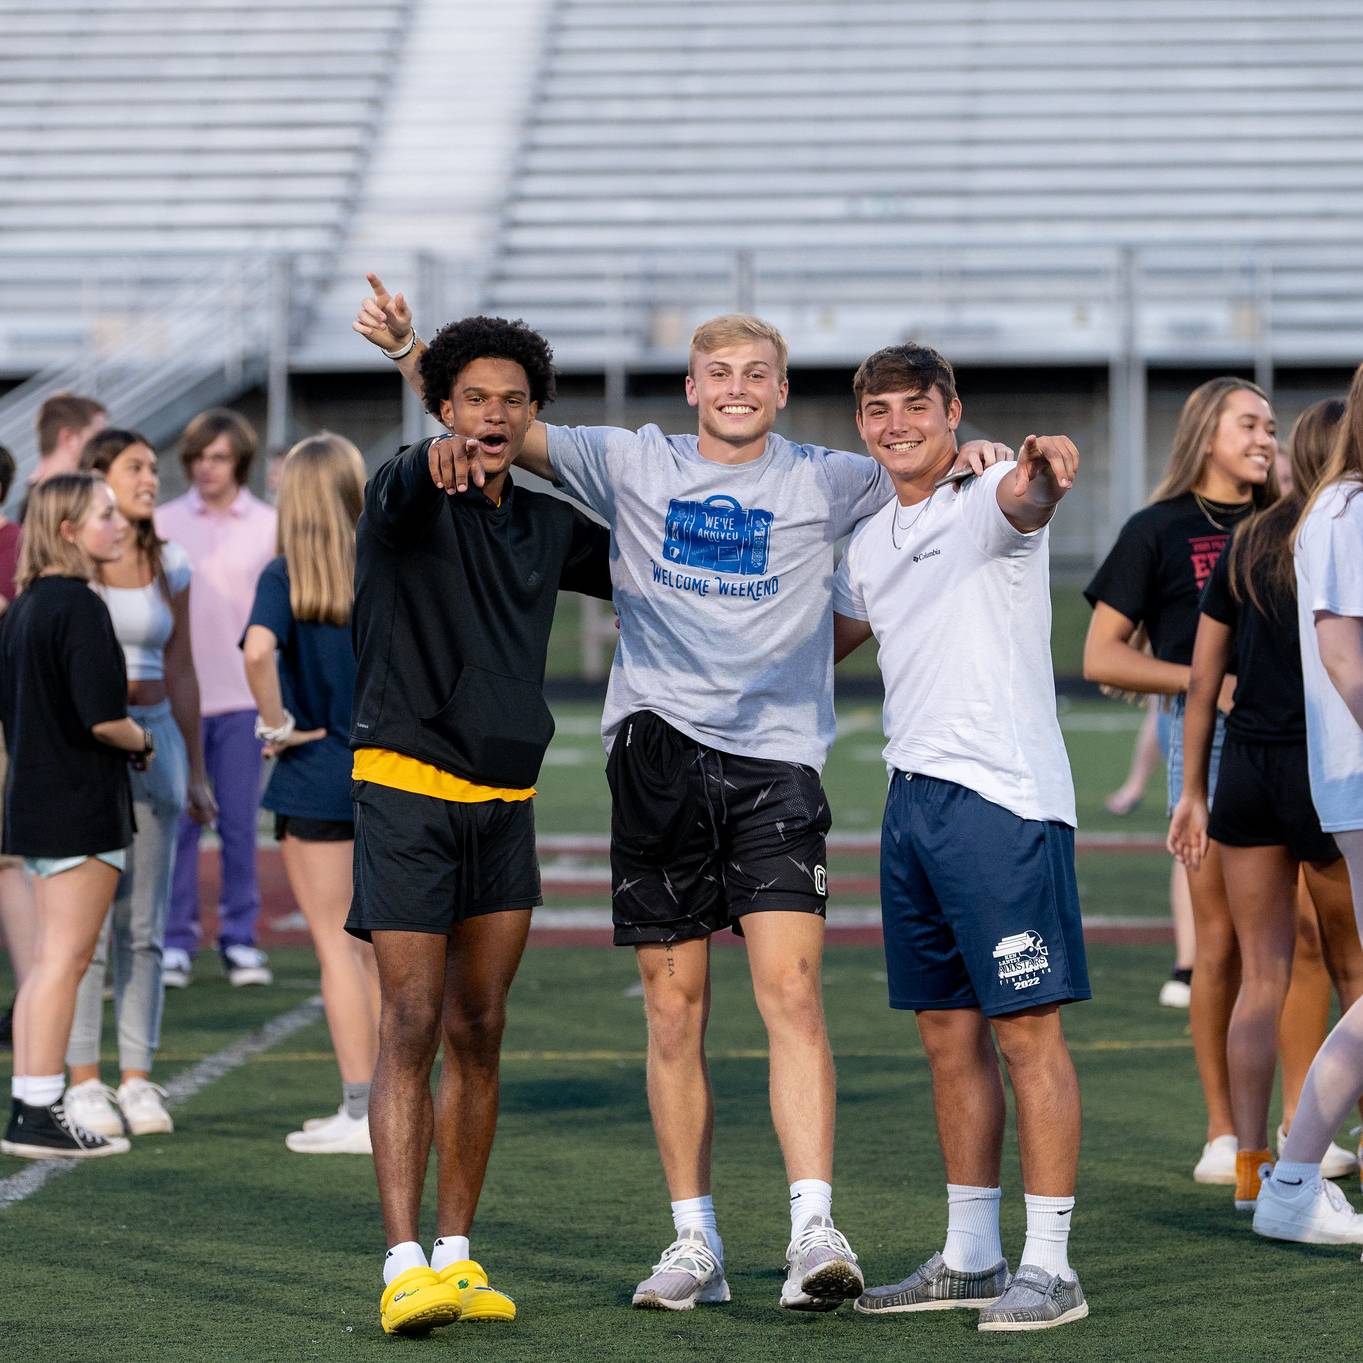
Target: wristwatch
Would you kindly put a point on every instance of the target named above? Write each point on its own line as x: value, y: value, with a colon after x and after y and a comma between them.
x: 140, y: 759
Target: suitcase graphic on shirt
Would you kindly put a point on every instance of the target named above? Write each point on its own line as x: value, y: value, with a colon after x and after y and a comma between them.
x: 718, y: 533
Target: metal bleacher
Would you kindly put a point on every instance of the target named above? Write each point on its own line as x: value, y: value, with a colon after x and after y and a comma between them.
x: 1022, y: 181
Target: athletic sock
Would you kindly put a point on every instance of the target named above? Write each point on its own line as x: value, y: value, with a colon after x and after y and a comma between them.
x: 1289, y: 1175
x: 18, y: 1088
x: 449, y: 1249
x: 402, y: 1257
x: 809, y: 1197
x: 45, y: 1089
x: 356, y: 1097
x: 1048, y: 1234
x: 973, y: 1243
x: 1183, y: 974
x: 698, y: 1213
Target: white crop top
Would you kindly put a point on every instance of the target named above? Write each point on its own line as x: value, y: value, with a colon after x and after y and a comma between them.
x: 142, y: 617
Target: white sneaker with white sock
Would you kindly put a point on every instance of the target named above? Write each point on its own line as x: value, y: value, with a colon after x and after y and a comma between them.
x: 1295, y: 1203
x: 144, y: 1108
x: 95, y: 1107
x: 177, y: 966
x: 1335, y: 1163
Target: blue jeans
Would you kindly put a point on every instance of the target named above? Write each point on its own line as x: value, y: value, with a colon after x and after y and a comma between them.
x: 1170, y: 729
x: 136, y: 923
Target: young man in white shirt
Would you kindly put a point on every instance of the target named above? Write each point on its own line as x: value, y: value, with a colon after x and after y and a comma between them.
x: 983, y: 938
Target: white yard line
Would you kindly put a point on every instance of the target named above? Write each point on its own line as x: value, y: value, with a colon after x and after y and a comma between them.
x: 186, y: 1085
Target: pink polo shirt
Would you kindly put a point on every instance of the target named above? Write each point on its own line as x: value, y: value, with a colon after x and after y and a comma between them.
x: 228, y: 550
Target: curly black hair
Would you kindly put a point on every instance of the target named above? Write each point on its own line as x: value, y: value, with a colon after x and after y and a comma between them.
x: 476, y: 338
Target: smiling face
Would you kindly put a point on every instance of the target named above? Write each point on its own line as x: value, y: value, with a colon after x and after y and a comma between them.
x: 1244, y: 443
x: 103, y: 531
x: 490, y: 402
x: 737, y: 391
x: 912, y: 435
x: 135, y: 482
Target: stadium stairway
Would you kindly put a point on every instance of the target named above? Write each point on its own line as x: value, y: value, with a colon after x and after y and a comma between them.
x: 968, y: 172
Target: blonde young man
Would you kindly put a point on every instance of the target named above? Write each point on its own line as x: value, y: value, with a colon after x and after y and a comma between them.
x: 718, y: 718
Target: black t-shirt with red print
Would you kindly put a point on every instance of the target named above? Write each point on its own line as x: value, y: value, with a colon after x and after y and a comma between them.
x: 1161, y: 562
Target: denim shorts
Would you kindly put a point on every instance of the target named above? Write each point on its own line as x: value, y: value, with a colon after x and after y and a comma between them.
x: 54, y: 866
x: 1171, y: 740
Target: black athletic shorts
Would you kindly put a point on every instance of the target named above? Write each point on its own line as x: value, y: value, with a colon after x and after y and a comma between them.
x: 425, y: 865
x: 1263, y: 799
x: 701, y: 837
x: 312, y: 830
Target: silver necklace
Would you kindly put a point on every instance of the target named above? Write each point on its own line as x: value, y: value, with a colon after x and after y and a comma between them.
x: 895, y: 525
x: 1204, y: 507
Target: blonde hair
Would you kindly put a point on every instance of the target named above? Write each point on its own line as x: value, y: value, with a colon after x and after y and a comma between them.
x: 733, y: 329
x: 1193, y: 437
x: 1346, y: 454
x: 321, y: 494
x: 65, y: 498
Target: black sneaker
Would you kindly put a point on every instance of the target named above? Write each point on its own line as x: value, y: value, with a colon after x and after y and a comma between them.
x: 47, y: 1133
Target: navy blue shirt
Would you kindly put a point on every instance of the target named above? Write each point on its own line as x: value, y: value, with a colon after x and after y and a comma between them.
x: 317, y: 679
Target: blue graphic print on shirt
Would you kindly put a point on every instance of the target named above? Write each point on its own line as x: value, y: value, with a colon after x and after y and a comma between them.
x: 719, y: 534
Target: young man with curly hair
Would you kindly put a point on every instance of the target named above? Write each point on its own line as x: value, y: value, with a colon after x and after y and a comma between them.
x: 453, y: 604
x: 718, y: 718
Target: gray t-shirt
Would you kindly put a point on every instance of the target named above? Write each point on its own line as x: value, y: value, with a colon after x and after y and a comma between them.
x: 723, y: 581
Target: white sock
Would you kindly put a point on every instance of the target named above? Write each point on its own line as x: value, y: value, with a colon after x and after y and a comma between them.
x: 402, y: 1257
x: 698, y: 1213
x: 973, y: 1243
x: 18, y: 1088
x: 809, y: 1197
x: 1048, y: 1234
x: 449, y: 1249
x: 1289, y: 1174
x: 45, y: 1089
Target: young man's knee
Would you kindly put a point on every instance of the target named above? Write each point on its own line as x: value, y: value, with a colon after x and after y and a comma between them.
x: 1031, y: 1038
x: 676, y: 1021
x: 791, y: 999
x: 474, y: 1025
x: 410, y: 1022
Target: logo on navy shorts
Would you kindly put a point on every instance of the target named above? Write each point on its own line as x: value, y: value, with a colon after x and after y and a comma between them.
x: 718, y: 533
x: 1023, y: 959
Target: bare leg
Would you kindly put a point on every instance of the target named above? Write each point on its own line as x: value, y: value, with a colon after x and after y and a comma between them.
x: 412, y: 980
x: 1046, y: 1091
x: 967, y: 1093
x: 18, y: 919
x: 1145, y: 759
x: 785, y: 953
x: 321, y: 880
x: 484, y: 955
x: 1306, y: 1011
x: 1335, y: 1080
x: 71, y: 910
x: 1329, y: 889
x: 1216, y: 982
x: 1261, y: 884
x: 676, y: 978
x: 1181, y: 910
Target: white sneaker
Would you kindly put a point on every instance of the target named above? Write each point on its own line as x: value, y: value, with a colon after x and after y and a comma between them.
x: 688, y: 1272
x: 93, y: 1105
x: 1337, y: 1163
x: 246, y: 965
x: 315, y: 1123
x: 176, y: 966
x: 144, y: 1108
x: 821, y: 1270
x: 339, y: 1135
x: 1312, y: 1212
x: 1217, y: 1164
x: 1175, y: 994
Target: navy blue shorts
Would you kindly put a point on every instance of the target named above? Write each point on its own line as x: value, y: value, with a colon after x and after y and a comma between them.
x: 980, y: 907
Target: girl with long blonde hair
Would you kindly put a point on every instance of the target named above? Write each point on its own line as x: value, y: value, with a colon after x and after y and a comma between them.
x: 1221, y: 468
x: 300, y: 666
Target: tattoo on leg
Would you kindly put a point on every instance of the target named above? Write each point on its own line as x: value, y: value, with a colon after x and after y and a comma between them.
x: 671, y: 963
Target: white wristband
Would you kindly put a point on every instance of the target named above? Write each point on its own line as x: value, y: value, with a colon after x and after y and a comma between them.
x: 279, y: 735
x: 403, y: 350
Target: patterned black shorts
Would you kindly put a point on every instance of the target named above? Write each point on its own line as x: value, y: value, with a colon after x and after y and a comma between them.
x: 701, y: 837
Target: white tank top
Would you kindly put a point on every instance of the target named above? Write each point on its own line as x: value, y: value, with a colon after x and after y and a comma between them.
x: 142, y: 616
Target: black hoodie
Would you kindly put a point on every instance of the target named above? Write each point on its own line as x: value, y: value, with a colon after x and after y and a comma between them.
x: 454, y: 598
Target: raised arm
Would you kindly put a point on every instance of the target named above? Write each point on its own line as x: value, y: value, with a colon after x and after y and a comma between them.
x: 1046, y: 468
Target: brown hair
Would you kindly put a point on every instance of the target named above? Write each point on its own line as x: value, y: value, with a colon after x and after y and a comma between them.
x: 905, y: 368
x: 64, y: 412
x: 321, y: 494
x: 1346, y: 454
x: 65, y: 497
x: 733, y: 328
x: 207, y: 427
x: 1193, y: 437
x: 98, y: 456
x: 1266, y: 537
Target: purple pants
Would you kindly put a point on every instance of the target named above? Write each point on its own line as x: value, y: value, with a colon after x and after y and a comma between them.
x: 232, y: 756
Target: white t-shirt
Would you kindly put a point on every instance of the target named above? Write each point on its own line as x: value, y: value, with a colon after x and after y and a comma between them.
x: 1329, y: 562
x: 960, y: 604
